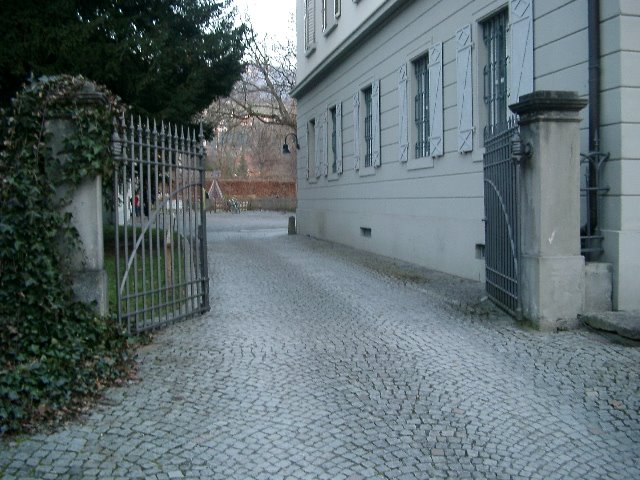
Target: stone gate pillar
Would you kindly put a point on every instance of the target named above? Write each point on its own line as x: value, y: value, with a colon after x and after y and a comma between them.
x: 551, y: 267
x: 87, y: 262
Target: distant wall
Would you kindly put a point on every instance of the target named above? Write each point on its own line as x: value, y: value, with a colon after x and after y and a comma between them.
x: 258, y: 194
x: 254, y: 188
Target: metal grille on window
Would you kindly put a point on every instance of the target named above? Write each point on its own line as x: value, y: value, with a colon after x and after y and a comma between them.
x: 368, y: 133
x: 334, y: 156
x: 495, y: 71
x: 421, y: 115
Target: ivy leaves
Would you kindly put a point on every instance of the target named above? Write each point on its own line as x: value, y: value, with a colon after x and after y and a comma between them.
x: 53, y: 350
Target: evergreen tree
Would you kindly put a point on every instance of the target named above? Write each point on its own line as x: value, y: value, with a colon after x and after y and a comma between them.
x: 166, y: 58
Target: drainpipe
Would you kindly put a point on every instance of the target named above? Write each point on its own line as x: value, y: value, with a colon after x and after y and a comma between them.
x: 594, y: 104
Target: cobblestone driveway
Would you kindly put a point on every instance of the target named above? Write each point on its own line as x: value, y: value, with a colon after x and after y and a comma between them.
x: 319, y: 362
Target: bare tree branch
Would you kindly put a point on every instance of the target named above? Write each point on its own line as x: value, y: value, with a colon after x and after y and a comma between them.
x: 252, y: 121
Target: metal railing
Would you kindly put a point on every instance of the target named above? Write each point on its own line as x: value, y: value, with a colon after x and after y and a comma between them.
x: 160, y: 239
x: 502, y: 247
x: 590, y: 193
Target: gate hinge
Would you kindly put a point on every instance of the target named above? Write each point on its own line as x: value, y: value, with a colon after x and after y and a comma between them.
x: 520, y: 150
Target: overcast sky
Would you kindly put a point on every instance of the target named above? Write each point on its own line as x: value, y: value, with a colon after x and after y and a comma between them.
x: 269, y: 17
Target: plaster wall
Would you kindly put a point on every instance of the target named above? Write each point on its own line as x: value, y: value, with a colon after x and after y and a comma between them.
x: 433, y: 215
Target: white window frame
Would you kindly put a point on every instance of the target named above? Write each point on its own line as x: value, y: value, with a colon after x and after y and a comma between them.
x: 490, y: 115
x: 312, y: 151
x: 425, y: 161
x: 329, y: 15
x: 409, y: 90
x: 360, y: 145
x: 334, y: 150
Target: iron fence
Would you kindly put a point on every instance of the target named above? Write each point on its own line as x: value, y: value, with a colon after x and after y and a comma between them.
x: 591, y: 189
x: 502, y: 248
x: 160, y: 239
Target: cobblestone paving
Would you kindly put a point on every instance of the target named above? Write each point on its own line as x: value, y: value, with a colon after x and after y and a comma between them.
x: 320, y: 362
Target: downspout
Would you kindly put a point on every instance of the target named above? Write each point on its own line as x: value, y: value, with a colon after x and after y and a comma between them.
x: 594, y: 104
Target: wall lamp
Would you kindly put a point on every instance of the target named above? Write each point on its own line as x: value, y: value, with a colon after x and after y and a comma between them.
x: 285, y: 146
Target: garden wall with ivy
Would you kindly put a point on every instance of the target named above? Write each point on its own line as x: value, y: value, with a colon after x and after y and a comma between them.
x: 54, y: 350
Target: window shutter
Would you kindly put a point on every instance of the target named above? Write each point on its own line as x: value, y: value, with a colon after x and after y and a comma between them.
x: 436, y: 137
x: 339, y: 137
x: 356, y: 131
x: 403, y: 103
x: 521, y: 17
x: 325, y: 144
x: 464, y: 86
x: 309, y: 24
x: 318, y: 147
x: 375, y: 123
x: 309, y: 147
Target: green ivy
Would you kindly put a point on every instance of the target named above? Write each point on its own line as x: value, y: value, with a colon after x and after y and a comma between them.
x: 54, y: 351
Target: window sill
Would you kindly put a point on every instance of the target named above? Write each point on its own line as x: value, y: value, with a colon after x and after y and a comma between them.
x: 330, y: 28
x: 309, y: 51
x: 366, y: 171
x: 420, y: 163
x: 332, y: 177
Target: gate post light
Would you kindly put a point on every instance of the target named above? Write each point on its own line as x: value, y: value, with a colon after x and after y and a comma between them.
x: 285, y: 146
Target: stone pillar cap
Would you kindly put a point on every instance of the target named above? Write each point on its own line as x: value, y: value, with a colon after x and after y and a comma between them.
x: 548, y: 100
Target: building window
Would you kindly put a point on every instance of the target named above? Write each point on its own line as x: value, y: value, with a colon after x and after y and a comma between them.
x: 421, y: 106
x: 333, y: 146
x: 494, y: 34
x: 368, y: 127
x: 311, y: 149
x: 330, y: 14
x: 309, y: 25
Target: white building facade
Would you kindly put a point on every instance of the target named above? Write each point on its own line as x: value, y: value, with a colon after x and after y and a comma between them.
x: 394, y: 97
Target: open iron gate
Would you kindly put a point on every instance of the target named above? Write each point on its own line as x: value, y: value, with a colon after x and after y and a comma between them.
x: 160, y: 239
x: 502, y: 248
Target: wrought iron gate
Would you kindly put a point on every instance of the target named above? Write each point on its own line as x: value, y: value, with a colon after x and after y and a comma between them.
x: 160, y: 238
x: 501, y: 216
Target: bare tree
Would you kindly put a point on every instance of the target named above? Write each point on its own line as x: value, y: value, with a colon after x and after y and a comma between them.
x: 252, y: 121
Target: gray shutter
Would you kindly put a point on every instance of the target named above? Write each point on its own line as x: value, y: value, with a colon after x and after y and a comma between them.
x: 375, y: 123
x: 403, y: 104
x: 436, y: 125
x: 309, y: 24
x: 356, y: 131
x: 464, y: 87
x: 318, y: 147
x: 309, y: 147
x: 325, y: 144
x: 339, y: 137
x: 521, y: 19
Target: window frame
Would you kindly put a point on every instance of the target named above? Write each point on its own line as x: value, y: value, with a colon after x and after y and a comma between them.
x: 312, y: 161
x: 415, y: 162
x: 329, y: 15
x: 364, y: 137
x: 332, y: 135
x: 367, y: 126
x: 494, y: 65
x: 421, y: 127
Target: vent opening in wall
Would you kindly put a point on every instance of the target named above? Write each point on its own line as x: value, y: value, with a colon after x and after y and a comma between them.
x: 479, y: 251
x: 365, y: 231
